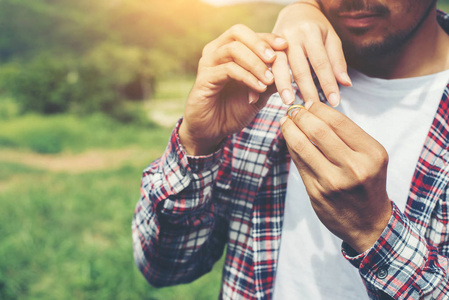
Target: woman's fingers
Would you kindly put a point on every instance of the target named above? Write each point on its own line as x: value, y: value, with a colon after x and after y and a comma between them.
x: 321, y: 64
x: 337, y: 59
x: 302, y: 75
x: 311, y: 39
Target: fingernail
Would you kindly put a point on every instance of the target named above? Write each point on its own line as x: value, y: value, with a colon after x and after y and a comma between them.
x: 253, y: 97
x: 269, y: 54
x: 268, y: 75
x: 346, y: 78
x: 333, y: 100
x: 263, y: 85
x: 294, y: 112
x: 307, y: 105
x: 287, y: 97
x: 282, y: 120
x: 279, y: 41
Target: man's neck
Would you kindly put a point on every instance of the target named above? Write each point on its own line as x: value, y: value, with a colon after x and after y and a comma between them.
x: 427, y: 52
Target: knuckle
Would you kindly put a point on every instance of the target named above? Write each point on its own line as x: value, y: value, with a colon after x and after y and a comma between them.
x: 338, y: 121
x: 307, y: 28
x: 232, y: 47
x: 328, y: 85
x: 202, y: 62
x: 319, y: 133
x: 362, y: 175
x: 332, y: 189
x: 228, y: 68
x: 380, y: 156
x: 302, y: 74
x: 298, y: 146
x: 207, y: 49
x: 237, y: 29
x: 366, y: 172
x: 320, y: 63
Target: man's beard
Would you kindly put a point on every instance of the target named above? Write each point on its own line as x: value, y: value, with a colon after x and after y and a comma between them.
x: 391, y: 43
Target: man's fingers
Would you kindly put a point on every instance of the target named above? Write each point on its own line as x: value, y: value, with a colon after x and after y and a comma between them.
x: 255, y: 42
x: 276, y: 42
x: 283, y: 79
x: 304, y: 153
x: 349, y: 132
x: 337, y: 59
x: 223, y: 73
x: 243, y: 56
x: 322, y: 136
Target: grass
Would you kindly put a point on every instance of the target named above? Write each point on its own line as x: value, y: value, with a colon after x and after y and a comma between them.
x: 66, y: 235
x: 69, y: 237
x: 54, y: 134
x: 444, y: 6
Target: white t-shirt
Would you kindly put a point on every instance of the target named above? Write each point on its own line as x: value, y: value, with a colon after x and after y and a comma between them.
x: 398, y: 113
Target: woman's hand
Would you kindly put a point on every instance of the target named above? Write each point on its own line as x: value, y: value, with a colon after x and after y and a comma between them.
x: 312, y: 42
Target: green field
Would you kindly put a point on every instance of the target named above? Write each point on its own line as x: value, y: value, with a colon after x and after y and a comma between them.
x: 65, y: 213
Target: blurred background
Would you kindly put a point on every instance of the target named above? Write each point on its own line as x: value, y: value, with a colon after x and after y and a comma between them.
x: 89, y: 91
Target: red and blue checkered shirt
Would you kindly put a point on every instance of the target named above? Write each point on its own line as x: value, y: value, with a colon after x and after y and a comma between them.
x: 193, y: 208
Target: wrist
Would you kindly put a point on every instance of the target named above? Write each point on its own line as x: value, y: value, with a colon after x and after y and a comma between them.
x: 197, y: 146
x: 365, y: 239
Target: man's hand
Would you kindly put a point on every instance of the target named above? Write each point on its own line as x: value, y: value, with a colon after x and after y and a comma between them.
x: 312, y: 39
x: 344, y: 171
x: 232, y: 74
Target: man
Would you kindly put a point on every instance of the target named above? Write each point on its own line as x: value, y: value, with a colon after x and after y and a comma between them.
x: 226, y: 177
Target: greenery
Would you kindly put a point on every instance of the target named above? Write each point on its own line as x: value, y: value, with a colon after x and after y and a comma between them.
x: 54, y: 134
x: 95, y: 56
x: 65, y: 233
x: 444, y: 5
x: 66, y: 236
x: 89, y: 92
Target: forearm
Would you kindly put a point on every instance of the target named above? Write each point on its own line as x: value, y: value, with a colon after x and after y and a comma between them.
x: 177, y: 232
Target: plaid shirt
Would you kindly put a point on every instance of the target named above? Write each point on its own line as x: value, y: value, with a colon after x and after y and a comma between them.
x: 192, y: 208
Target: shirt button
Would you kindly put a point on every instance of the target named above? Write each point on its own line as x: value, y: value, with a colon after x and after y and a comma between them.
x: 382, y: 272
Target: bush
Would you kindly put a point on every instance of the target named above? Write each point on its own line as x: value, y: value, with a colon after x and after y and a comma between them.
x: 48, y: 142
x: 8, y: 108
x: 41, y: 85
x: 101, y: 81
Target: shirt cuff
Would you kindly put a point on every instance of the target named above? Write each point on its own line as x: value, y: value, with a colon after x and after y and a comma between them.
x: 392, y: 264
x: 186, y: 175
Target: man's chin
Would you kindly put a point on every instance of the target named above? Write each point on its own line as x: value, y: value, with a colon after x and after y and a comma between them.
x: 374, y: 49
